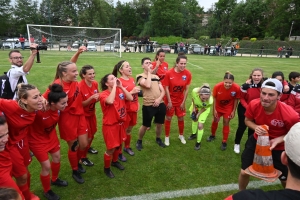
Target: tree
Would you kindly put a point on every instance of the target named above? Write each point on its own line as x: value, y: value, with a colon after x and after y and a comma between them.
x: 5, y: 16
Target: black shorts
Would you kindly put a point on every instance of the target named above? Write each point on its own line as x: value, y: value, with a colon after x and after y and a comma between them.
x: 248, y: 156
x: 158, y: 113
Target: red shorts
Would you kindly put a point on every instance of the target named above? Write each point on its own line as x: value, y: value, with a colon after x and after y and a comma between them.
x: 113, y: 135
x: 175, y: 109
x: 71, y: 126
x: 20, y: 157
x: 91, y: 123
x: 224, y: 115
x: 41, y: 151
x: 131, y: 119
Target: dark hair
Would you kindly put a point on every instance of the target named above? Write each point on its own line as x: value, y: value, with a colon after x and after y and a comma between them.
x: 117, y: 68
x: 145, y: 58
x: 293, y: 75
x: 269, y: 83
x: 180, y: 57
x: 294, y: 168
x: 13, y: 51
x: 278, y: 73
x: 157, y: 53
x: 56, y: 93
x: 103, y: 82
x: 84, y: 69
x: 181, y: 53
x: 228, y: 75
x: 8, y: 194
x: 2, y: 120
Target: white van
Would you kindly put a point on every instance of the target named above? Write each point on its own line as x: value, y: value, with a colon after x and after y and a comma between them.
x: 12, y: 43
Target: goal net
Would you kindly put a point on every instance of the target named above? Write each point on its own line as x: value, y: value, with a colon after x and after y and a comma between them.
x: 103, y: 41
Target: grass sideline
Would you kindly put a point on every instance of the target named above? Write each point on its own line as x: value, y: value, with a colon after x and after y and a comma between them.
x: 154, y: 169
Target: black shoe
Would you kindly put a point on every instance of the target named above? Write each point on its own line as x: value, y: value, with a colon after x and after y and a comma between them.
x: 31, y: 154
x: 129, y: 151
x: 210, y: 138
x: 122, y: 158
x: 139, y: 145
x: 86, y: 162
x: 92, y: 150
x: 77, y: 177
x: 109, y: 173
x: 197, y: 146
x: 192, y: 136
x: 81, y: 170
x: 160, y: 143
x: 117, y: 165
x: 59, y: 182
x: 50, y: 195
x: 223, y: 146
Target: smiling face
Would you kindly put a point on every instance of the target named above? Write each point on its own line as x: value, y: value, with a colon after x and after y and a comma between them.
x: 71, y: 73
x: 89, y: 76
x: 61, y: 104
x: 33, y: 101
x: 256, y: 76
x: 110, y: 81
x: 228, y: 83
x: 3, y: 136
x: 161, y: 56
x: 16, y: 59
x: 181, y: 65
x: 126, y: 69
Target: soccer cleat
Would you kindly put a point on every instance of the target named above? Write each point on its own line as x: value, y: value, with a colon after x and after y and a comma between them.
x: 181, y: 138
x: 223, y: 146
x: 59, y: 182
x: 160, y: 143
x: 86, y: 162
x: 50, y: 195
x: 210, y: 138
x: 77, y: 177
x: 109, y: 173
x: 122, y: 158
x: 81, y: 170
x: 139, y: 145
x: 117, y: 165
x: 197, y: 146
x: 192, y: 136
x: 129, y: 151
x: 92, y: 150
x: 167, y: 141
x: 236, y: 148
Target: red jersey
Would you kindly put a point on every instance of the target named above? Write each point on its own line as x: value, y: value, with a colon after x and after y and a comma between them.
x: 74, y: 99
x: 86, y: 92
x: 279, y: 122
x: 116, y: 112
x: 44, y: 40
x: 177, y: 82
x: 161, y: 71
x: 294, y: 99
x: 43, y: 131
x: 5, y: 163
x: 225, y: 98
x: 22, y: 39
x: 131, y: 106
x: 249, y: 92
x: 18, y: 120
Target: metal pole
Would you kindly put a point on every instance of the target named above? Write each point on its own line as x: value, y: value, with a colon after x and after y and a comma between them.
x: 291, y: 30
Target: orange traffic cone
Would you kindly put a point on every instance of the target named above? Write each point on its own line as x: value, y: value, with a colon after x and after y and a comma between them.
x: 262, y: 166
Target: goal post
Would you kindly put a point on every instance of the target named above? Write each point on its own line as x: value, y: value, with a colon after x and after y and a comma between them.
x: 105, y: 41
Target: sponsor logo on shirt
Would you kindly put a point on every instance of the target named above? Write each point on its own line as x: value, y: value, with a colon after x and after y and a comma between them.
x: 22, y: 115
x: 121, y: 95
x: 277, y: 122
x: 45, y: 117
x: 233, y: 94
x: 184, y: 77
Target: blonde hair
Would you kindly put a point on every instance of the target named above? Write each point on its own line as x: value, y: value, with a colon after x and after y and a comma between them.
x: 229, y: 75
x: 204, y: 89
x: 23, y: 93
x: 62, y: 67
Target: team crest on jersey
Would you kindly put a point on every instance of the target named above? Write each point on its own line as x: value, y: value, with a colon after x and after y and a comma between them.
x: 277, y: 122
x: 58, y: 112
x: 95, y: 91
x: 233, y: 94
x: 184, y: 77
x: 165, y: 68
x: 121, y: 95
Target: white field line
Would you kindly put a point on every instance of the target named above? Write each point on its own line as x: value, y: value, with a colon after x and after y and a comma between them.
x: 195, y: 65
x: 193, y: 192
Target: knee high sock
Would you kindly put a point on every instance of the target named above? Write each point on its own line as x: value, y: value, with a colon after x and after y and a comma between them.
x: 127, y: 141
x: 181, y: 127
x: 80, y: 154
x: 25, y: 191
x: 72, y: 155
x: 225, y: 133
x: 167, y: 128
x: 120, y: 148
x: 199, y: 135
x: 194, y: 127
x: 45, y: 180
x: 55, y: 167
x: 107, y: 160
x: 214, y: 127
x: 116, y: 154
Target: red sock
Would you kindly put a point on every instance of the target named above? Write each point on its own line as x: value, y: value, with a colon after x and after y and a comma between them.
x: 28, y: 179
x: 80, y: 154
x: 120, y: 149
x: 116, y: 155
x: 181, y: 127
x: 25, y: 191
x: 127, y: 141
x: 214, y: 127
x: 167, y: 127
x: 226, y: 131
x: 107, y: 160
x: 45, y: 182
x: 72, y: 155
x: 55, y: 167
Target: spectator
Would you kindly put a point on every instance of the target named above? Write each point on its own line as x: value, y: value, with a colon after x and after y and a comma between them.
x: 22, y: 40
x: 279, y: 50
x: 261, y: 51
x: 176, y: 48
x: 31, y: 39
x: 44, y: 40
